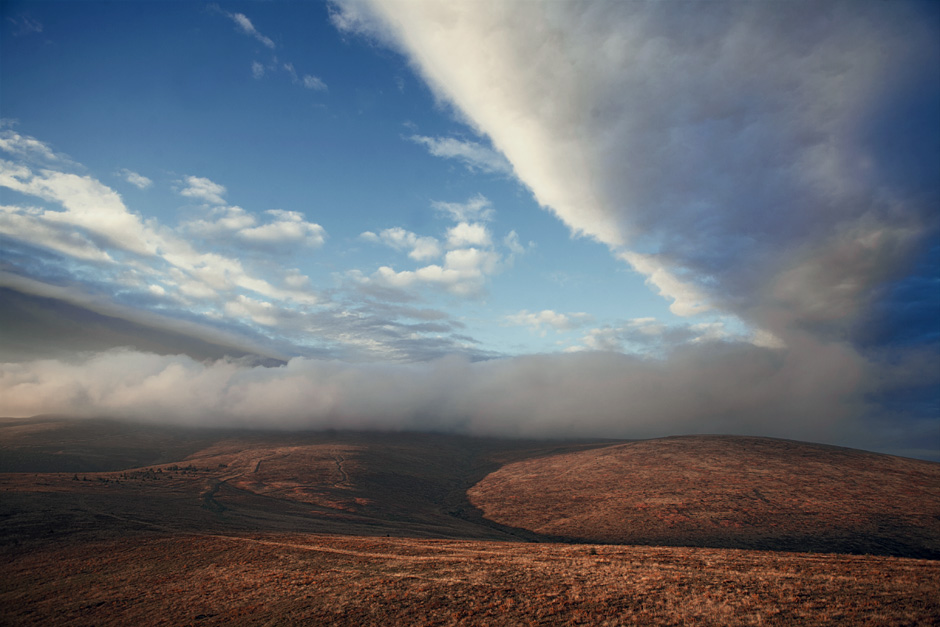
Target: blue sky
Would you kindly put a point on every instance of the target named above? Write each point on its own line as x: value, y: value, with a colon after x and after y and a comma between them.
x: 183, y: 98
x: 593, y: 218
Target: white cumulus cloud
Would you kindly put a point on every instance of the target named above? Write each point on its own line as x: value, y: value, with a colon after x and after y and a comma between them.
x: 203, y: 189
x: 25, y: 146
x: 477, y: 208
x: 468, y: 234
x: 137, y: 180
x: 286, y: 227
x: 539, y: 320
x: 419, y: 248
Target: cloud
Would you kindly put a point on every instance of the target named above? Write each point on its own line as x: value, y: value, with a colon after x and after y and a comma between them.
x: 687, y: 299
x: 827, y: 288
x: 287, y: 227
x: 308, y: 81
x: 602, y: 339
x: 94, y: 225
x: 420, y: 248
x: 771, y: 163
x: 471, y: 262
x: 746, y: 158
x: 689, y: 140
x: 258, y: 69
x: 473, y: 155
x: 138, y: 180
x: 88, y: 204
x: 314, y: 83
x: 296, y: 279
x: 245, y: 26
x: 708, y: 388
x: 203, y: 189
x: 511, y: 241
x: 25, y: 25
x: 549, y: 318
x: 648, y: 335
x: 217, y: 268
x: 261, y: 312
x: 470, y: 256
x: 468, y: 234
x: 477, y: 208
x: 463, y: 272
x: 26, y: 147
x: 26, y: 223
x: 45, y: 317
x: 352, y: 327
x: 221, y: 222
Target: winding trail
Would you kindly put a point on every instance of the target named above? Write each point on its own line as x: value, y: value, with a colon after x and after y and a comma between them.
x: 447, y: 552
x: 208, y: 496
x: 339, y: 466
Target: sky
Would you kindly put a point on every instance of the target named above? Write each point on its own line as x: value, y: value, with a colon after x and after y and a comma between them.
x: 560, y: 219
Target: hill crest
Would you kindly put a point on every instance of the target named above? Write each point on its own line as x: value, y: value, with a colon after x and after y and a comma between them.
x: 726, y: 492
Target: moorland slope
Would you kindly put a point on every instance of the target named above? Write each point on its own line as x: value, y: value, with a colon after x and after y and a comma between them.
x: 304, y: 579
x: 100, y: 479
x: 724, y: 491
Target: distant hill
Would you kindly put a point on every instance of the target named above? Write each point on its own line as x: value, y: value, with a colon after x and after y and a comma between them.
x: 707, y: 491
x: 61, y: 477
x: 726, y: 492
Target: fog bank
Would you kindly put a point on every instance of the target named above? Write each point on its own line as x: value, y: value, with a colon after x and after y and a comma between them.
x: 711, y: 388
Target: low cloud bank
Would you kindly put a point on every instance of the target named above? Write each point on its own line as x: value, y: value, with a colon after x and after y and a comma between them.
x: 810, y: 394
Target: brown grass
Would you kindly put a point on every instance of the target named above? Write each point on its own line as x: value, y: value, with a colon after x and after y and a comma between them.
x: 359, y: 529
x: 345, y: 483
x: 314, y: 579
x: 724, y: 492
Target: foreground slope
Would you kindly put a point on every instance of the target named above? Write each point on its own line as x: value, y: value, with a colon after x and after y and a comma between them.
x: 303, y: 579
x: 723, y: 491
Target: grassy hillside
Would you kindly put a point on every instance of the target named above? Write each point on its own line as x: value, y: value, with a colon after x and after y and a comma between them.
x: 300, y: 579
x: 341, y: 482
x: 722, y: 491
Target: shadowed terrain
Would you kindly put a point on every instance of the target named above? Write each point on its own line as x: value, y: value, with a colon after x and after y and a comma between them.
x: 111, y: 478
x: 106, y: 523
x: 722, y: 491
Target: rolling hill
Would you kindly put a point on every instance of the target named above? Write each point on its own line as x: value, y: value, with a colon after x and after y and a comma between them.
x: 723, y: 491
x: 65, y: 477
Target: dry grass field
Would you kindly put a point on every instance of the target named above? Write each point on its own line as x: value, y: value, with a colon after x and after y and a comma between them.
x: 115, y: 524
x: 258, y: 579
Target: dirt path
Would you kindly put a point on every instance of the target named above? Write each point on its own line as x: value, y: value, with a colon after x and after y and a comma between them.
x: 448, y: 553
x: 208, y: 496
x: 127, y: 519
x: 339, y: 466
